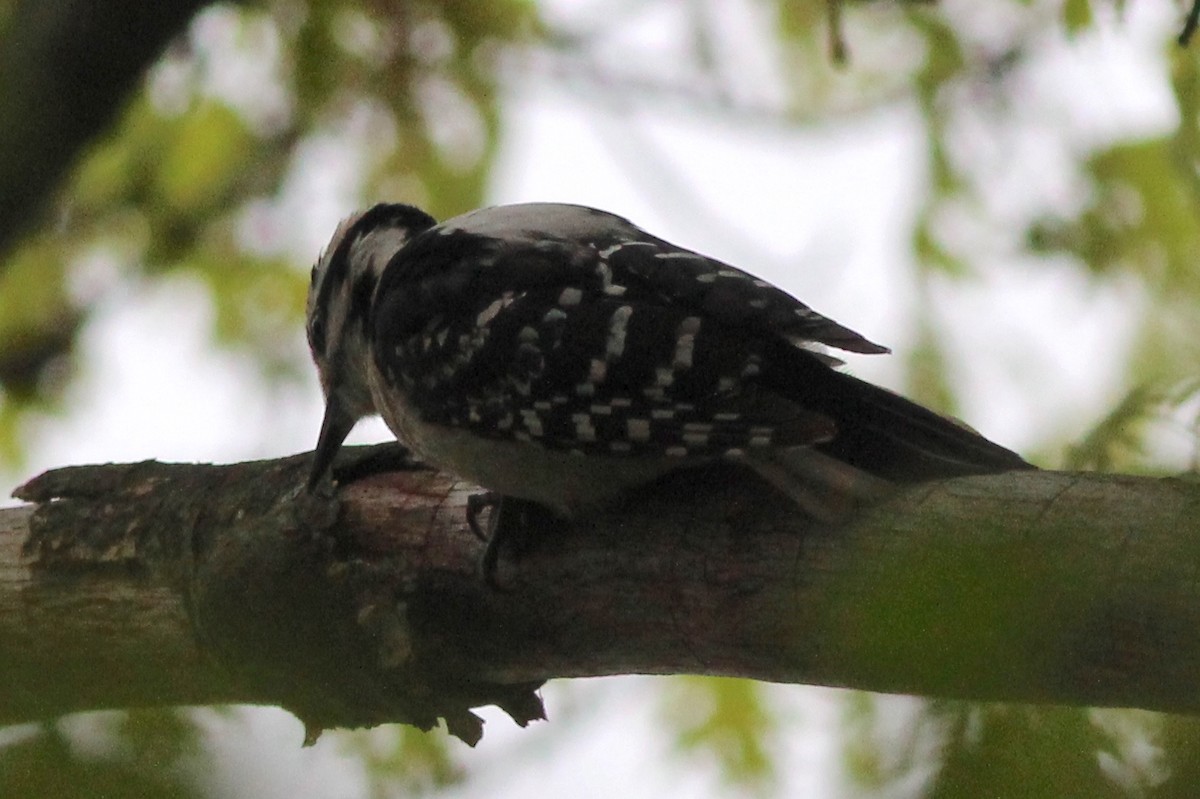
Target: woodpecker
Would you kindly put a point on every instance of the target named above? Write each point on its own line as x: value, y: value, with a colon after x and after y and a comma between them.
x: 562, y: 355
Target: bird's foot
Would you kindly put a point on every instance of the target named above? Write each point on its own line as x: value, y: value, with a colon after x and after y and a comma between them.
x: 513, y: 525
x: 476, y: 504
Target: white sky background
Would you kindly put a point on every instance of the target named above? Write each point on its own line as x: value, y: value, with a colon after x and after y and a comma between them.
x: 823, y: 213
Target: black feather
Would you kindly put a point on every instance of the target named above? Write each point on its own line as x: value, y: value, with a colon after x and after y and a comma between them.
x: 880, y: 431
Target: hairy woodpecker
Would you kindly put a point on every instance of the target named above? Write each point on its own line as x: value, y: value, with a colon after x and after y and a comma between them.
x: 563, y: 355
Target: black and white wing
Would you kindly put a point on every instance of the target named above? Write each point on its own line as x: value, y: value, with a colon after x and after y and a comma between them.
x: 575, y: 329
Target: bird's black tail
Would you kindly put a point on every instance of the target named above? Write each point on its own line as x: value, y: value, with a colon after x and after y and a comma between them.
x: 884, y: 434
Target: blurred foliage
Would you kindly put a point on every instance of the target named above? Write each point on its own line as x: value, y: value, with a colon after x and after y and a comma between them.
x: 944, y: 750
x: 200, y: 176
x: 724, y: 721
x: 402, y: 761
x: 1143, y: 220
x: 196, y: 175
x: 1032, y: 752
x: 146, y: 754
x: 1116, y: 440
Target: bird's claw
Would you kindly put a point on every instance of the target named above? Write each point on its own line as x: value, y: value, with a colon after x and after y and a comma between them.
x: 476, y: 504
x: 493, y: 538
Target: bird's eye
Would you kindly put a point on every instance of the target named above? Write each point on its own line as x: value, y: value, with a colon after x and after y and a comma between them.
x: 316, y: 334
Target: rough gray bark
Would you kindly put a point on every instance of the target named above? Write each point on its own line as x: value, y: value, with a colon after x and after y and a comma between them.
x: 171, y: 584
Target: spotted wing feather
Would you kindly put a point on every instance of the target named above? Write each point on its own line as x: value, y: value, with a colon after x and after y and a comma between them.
x: 567, y: 357
x: 728, y: 295
x: 575, y: 329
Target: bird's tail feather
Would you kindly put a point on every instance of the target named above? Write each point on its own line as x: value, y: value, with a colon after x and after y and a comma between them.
x: 826, y: 488
x: 886, y: 435
x: 892, y: 437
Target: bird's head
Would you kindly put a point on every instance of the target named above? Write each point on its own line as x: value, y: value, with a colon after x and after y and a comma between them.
x: 339, y: 312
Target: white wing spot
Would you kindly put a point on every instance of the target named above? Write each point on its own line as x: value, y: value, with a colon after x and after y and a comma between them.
x: 601, y: 410
x: 677, y: 452
x: 695, y: 439
x: 662, y: 413
x: 570, y: 296
x: 637, y: 429
x: 604, y: 273
x: 584, y: 431
x: 489, y: 313
x: 684, y: 347
x: 726, y: 417
x: 532, y: 422
x: 685, y: 343
x: 597, y: 371
x: 617, y: 328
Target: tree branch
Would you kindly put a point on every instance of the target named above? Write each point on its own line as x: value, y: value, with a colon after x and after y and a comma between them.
x: 66, y: 69
x: 1190, y: 24
x: 1030, y: 587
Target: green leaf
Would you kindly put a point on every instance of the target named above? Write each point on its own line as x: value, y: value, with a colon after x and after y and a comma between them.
x: 398, y: 758
x: 1143, y: 219
x: 1076, y: 15
x: 207, y: 154
x: 725, y: 719
x: 1013, y: 750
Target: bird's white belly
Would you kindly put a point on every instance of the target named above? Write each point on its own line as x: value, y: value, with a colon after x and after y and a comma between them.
x: 565, y: 482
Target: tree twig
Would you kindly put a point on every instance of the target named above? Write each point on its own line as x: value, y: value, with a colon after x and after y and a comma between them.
x: 1190, y: 24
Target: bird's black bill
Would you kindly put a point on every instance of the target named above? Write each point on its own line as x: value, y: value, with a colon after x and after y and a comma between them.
x: 334, y: 429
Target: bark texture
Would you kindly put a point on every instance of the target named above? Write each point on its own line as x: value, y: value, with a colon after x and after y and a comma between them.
x: 153, y: 583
